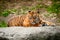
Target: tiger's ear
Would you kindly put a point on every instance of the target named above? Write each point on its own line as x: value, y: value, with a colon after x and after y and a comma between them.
x: 29, y: 11
x: 38, y: 12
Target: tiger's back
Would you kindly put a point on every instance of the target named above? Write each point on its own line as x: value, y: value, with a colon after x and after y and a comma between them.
x: 16, y: 20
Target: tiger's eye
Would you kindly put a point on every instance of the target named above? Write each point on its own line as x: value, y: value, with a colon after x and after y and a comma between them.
x: 30, y: 18
x: 34, y: 17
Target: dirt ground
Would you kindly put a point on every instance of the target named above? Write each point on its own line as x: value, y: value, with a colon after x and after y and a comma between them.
x: 19, y: 4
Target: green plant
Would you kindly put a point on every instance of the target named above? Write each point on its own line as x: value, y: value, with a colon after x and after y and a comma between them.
x: 39, y: 6
x: 25, y: 7
x: 55, y: 0
x: 54, y: 8
x: 3, y: 24
x: 36, y: 7
x: 7, y: 12
x: 58, y: 20
x: 32, y: 8
x: 47, y: 15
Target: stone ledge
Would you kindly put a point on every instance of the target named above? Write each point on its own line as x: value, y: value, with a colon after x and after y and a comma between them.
x: 30, y: 33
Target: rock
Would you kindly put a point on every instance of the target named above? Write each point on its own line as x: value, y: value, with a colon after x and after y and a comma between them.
x: 30, y: 33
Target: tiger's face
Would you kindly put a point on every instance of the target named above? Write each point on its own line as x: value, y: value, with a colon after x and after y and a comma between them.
x: 33, y: 17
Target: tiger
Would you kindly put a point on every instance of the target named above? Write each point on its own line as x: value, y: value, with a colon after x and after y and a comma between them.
x: 31, y: 19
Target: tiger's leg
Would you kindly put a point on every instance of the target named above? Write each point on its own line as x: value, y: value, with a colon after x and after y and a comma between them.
x: 48, y: 24
x: 44, y: 24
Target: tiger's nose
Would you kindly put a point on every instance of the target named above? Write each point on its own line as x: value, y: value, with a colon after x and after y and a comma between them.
x: 33, y: 23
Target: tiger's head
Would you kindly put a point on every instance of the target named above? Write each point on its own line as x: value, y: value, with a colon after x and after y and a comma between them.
x: 32, y: 18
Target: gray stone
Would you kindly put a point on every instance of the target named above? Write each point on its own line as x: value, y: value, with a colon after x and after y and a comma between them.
x: 30, y: 33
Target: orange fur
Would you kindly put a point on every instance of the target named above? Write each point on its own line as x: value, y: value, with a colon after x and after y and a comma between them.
x: 16, y: 20
x: 47, y: 23
x: 32, y: 18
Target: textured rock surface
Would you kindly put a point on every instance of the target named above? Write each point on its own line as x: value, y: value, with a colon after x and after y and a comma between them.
x: 30, y: 33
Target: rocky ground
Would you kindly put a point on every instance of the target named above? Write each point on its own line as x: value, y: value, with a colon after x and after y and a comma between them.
x: 30, y: 33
